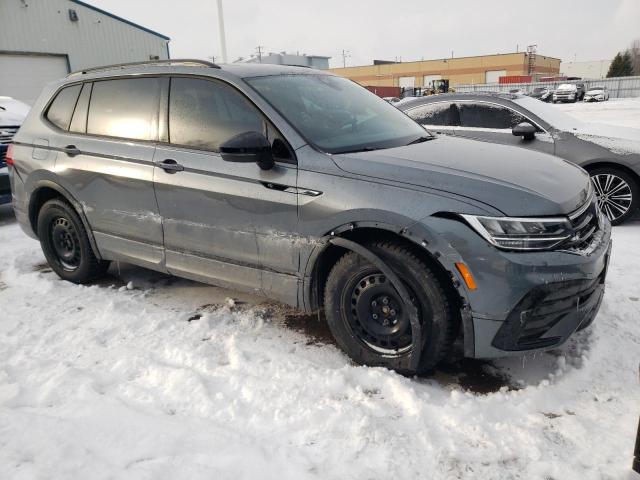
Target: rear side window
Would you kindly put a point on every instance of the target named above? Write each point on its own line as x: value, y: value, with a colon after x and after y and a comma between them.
x: 484, y: 115
x: 61, y: 108
x: 436, y: 114
x: 79, y: 120
x: 125, y: 108
x: 203, y: 114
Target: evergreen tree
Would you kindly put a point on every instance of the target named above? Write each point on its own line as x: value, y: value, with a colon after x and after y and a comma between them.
x: 615, y: 70
x: 621, y: 66
x: 627, y: 65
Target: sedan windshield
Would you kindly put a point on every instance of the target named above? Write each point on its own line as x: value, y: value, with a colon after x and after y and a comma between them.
x: 336, y: 114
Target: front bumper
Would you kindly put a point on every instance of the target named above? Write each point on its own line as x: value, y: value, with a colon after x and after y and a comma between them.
x: 524, y: 301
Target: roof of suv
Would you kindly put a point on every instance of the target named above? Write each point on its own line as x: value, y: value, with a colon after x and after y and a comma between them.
x: 198, y: 67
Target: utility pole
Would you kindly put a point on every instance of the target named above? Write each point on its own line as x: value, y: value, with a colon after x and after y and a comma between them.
x: 345, y: 54
x: 222, y: 36
x: 259, y: 52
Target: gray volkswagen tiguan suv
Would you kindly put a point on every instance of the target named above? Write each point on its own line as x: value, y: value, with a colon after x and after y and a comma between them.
x: 306, y: 188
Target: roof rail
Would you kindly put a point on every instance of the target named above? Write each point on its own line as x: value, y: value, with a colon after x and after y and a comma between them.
x: 150, y: 63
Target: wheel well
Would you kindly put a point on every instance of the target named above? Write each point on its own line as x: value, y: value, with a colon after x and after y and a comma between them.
x: 39, y: 197
x: 605, y: 164
x: 333, y: 253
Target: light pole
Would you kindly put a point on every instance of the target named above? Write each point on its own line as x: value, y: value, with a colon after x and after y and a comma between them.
x: 223, y: 40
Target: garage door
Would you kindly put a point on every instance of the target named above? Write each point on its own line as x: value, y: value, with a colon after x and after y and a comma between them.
x: 407, y: 82
x: 23, y: 76
x: 493, y: 76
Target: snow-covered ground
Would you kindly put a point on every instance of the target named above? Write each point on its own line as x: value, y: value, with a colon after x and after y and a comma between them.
x: 147, y: 376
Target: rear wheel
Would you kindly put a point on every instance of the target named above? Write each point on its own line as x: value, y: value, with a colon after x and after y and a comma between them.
x: 369, y: 320
x: 66, y: 245
x: 617, y: 193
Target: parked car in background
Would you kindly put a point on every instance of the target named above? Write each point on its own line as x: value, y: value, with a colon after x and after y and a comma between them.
x: 12, y: 114
x: 610, y: 154
x: 309, y: 189
x: 542, y: 93
x: 597, y: 94
x: 567, y: 92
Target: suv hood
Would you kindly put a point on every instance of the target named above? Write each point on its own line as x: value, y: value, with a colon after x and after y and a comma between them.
x: 516, y: 181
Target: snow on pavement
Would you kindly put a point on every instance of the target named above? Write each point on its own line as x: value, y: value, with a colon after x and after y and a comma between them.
x: 158, y: 381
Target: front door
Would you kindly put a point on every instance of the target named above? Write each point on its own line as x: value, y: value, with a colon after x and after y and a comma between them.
x: 221, y: 220
x: 491, y: 122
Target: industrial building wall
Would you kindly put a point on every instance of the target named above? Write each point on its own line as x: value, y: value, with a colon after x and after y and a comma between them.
x: 43, y: 26
x: 596, y: 69
x: 465, y: 70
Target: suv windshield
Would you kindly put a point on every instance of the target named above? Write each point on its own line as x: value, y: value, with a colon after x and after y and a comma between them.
x: 567, y: 86
x: 336, y: 114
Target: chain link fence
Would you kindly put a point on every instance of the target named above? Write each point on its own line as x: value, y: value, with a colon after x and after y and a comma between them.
x: 621, y: 87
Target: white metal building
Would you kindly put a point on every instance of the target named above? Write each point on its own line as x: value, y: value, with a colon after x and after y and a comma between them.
x: 283, y: 58
x: 42, y: 40
x: 596, y: 69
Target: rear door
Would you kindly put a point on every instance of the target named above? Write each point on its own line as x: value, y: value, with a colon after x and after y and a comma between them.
x: 438, y: 117
x: 492, y: 122
x: 222, y: 221
x: 106, y: 160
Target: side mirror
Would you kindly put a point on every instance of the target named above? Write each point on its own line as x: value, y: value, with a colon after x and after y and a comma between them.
x: 248, y: 147
x: 524, y: 130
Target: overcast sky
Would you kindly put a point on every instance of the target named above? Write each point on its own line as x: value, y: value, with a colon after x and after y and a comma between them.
x: 410, y: 29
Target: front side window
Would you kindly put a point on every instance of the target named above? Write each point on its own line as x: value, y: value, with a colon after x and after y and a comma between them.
x: 436, y: 114
x: 485, y: 115
x: 336, y: 114
x: 61, y: 108
x: 125, y: 108
x: 203, y: 114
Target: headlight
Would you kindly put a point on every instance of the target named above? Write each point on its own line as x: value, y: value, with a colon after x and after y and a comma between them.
x: 521, y: 233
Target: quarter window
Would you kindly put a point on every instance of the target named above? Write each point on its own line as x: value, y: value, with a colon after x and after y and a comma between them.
x: 484, y: 115
x: 125, y: 108
x: 79, y: 120
x: 61, y: 108
x: 203, y: 114
x: 436, y: 114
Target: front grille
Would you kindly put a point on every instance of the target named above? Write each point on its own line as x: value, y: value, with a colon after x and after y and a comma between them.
x: 586, y: 224
x: 7, y: 133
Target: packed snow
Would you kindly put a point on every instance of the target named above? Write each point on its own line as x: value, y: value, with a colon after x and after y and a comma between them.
x: 142, y: 376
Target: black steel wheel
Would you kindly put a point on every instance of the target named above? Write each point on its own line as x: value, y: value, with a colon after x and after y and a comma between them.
x: 369, y: 320
x: 617, y: 193
x: 65, y: 243
x: 377, y: 313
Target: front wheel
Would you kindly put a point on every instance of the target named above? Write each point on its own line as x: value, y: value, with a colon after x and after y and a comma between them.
x: 369, y: 320
x: 617, y: 193
x: 66, y: 245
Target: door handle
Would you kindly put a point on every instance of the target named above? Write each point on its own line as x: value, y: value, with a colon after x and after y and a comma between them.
x: 71, y: 150
x: 171, y: 166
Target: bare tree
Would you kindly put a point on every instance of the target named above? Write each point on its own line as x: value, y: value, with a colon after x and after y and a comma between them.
x: 634, y: 52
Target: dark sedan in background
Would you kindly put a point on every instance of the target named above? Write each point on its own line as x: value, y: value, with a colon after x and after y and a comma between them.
x: 610, y: 154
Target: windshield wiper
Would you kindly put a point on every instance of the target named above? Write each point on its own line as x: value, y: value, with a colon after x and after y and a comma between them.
x: 356, y: 150
x: 421, y: 139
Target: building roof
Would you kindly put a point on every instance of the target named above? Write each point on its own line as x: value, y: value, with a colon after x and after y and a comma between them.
x: 446, y: 59
x: 123, y: 20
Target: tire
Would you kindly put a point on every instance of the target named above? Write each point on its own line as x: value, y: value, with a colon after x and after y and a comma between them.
x: 354, y: 286
x: 620, y: 197
x: 66, y: 245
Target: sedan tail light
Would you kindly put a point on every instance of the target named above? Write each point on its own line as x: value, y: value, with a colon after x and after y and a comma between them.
x: 9, y: 155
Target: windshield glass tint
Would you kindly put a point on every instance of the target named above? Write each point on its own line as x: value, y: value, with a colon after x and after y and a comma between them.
x: 336, y: 114
x: 549, y: 113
